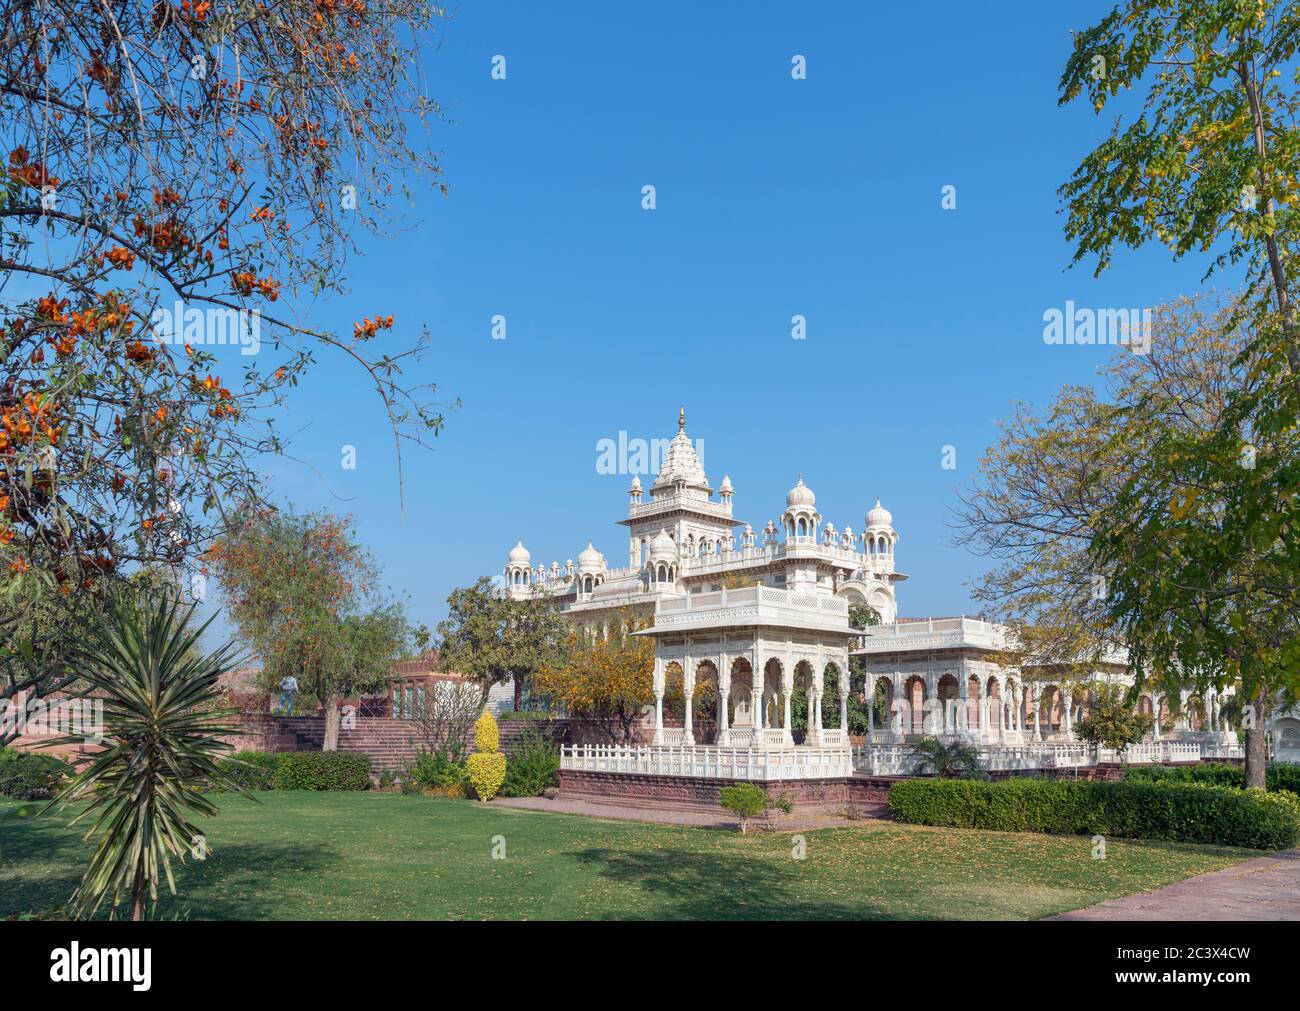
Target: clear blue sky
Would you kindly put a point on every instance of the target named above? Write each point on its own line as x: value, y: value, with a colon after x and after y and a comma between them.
x: 775, y: 197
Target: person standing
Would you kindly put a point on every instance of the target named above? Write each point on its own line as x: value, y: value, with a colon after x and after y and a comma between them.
x: 288, y: 689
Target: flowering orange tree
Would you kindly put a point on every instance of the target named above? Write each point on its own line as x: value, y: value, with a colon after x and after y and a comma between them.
x: 175, y: 176
x: 609, y: 679
x: 305, y: 598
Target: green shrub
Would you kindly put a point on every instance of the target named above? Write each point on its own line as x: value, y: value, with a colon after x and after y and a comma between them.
x: 525, y: 716
x: 744, y: 800
x: 253, y: 770
x: 439, y: 771
x: 1279, y: 776
x: 28, y: 775
x: 1172, y: 812
x: 533, y: 763
x: 322, y: 770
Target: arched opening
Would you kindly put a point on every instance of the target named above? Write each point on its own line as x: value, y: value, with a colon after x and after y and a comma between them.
x: 831, y: 697
x: 674, y: 694
x: 704, y: 702
x: 916, y: 695
x: 772, y: 671
x: 947, y: 692
x: 741, y: 695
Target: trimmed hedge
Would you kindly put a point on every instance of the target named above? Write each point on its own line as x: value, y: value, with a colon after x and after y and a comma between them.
x: 1171, y: 812
x: 253, y: 770
x: 1279, y: 776
x: 298, y: 770
x: 322, y: 770
x: 28, y: 775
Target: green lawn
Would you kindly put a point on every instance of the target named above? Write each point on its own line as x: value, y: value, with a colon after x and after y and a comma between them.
x: 386, y: 856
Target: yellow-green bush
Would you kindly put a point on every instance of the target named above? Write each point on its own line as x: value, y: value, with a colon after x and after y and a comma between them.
x: 486, y: 737
x: 487, y: 771
x: 487, y: 766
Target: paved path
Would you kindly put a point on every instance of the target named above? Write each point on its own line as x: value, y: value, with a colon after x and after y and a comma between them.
x: 1265, y: 888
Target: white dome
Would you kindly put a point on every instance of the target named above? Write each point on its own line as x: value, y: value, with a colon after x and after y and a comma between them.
x: 591, y: 560
x: 879, y: 516
x: 726, y: 483
x: 662, y: 547
x: 636, y: 485
x: 800, y: 495
x: 519, y: 554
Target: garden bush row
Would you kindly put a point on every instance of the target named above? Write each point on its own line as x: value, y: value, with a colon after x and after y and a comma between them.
x: 1280, y: 776
x: 1171, y: 812
x: 299, y: 770
x: 530, y: 768
x: 30, y: 775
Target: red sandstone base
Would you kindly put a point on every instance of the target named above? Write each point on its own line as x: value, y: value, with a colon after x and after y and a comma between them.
x: 869, y: 794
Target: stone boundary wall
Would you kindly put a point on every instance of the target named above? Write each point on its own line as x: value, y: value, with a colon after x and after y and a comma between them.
x: 870, y: 794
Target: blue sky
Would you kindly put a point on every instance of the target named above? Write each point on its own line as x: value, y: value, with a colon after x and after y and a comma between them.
x: 775, y: 197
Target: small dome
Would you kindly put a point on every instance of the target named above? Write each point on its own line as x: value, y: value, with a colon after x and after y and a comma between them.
x: 662, y: 547
x: 879, y: 516
x: 726, y: 484
x: 636, y: 485
x: 591, y: 560
x: 800, y: 495
x: 519, y: 554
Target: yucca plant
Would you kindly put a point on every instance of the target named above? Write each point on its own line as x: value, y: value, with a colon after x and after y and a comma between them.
x: 947, y: 761
x: 162, y: 737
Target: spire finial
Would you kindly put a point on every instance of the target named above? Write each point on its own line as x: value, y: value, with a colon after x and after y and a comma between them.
x: 681, y: 419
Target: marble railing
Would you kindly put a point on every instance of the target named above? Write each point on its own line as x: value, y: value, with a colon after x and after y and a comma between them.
x: 900, y: 759
x: 758, y: 764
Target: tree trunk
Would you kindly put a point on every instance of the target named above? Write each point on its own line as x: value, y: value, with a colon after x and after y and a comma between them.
x: 137, y: 898
x: 331, y: 724
x: 1256, y: 745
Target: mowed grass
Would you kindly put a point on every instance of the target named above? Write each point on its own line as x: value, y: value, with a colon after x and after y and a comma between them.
x: 387, y: 856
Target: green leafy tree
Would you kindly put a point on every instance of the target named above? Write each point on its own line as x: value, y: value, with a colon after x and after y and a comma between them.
x: 491, y: 638
x: 163, y: 727
x: 304, y: 596
x: 223, y: 160
x: 1202, y: 547
x: 1112, y: 720
x: 744, y: 800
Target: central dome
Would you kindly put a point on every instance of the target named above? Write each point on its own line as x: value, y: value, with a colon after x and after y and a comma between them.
x: 800, y: 495
x: 681, y: 464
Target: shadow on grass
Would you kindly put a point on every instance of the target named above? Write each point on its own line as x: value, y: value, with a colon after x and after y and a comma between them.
x: 717, y: 886
x: 247, y: 881
x: 42, y: 860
